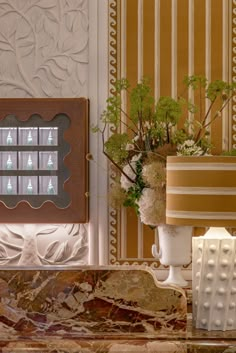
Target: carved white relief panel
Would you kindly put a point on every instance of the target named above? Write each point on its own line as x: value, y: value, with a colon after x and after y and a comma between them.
x: 43, y: 48
x: 43, y: 53
x: 45, y: 244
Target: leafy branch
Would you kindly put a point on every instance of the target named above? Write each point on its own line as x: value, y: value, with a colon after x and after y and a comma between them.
x: 216, y: 91
x: 146, y: 131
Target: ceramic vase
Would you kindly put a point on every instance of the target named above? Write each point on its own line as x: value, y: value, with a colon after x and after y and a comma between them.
x: 174, y: 251
x: 214, y: 281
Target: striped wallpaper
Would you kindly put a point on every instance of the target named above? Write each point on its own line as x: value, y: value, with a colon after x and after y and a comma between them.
x: 166, y: 40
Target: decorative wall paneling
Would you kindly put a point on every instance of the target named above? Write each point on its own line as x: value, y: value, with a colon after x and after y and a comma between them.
x: 166, y: 40
x: 44, y: 53
x: 98, y: 91
x: 232, y: 59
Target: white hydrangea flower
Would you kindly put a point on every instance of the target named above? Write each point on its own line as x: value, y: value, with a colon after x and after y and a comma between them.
x: 151, y: 208
x: 154, y: 174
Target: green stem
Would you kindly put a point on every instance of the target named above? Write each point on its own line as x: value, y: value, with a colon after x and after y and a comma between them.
x: 204, y: 121
x: 127, y: 116
x: 200, y: 105
x: 215, y: 116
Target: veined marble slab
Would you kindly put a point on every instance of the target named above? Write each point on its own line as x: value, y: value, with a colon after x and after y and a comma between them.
x: 115, y: 346
x: 99, y: 346
x: 88, y: 302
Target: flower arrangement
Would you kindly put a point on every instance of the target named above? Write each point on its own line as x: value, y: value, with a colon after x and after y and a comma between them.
x: 146, y: 133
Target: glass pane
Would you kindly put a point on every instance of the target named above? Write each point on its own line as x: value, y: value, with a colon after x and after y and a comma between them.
x: 48, y: 136
x: 28, y: 136
x: 48, y: 160
x: 8, y: 185
x: 8, y: 160
x: 28, y: 185
x: 28, y: 160
x: 8, y: 136
x: 48, y: 185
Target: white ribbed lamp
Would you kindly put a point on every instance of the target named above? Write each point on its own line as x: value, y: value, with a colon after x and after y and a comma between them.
x: 201, y: 191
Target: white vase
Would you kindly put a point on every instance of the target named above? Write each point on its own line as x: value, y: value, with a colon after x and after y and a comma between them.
x: 214, y: 280
x: 174, y: 251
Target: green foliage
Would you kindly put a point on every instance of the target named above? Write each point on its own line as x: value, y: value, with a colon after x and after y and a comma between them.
x: 168, y: 111
x: 212, y: 90
x: 121, y: 85
x: 148, y: 124
x: 136, y: 190
x: 146, y: 131
x: 112, y: 113
x: 205, y: 143
x: 179, y: 136
x: 191, y: 107
x: 95, y: 129
x: 141, y: 102
x: 115, y: 147
x: 195, y: 81
x: 216, y: 89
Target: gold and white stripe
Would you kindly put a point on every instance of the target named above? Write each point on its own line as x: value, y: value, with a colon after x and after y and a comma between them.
x: 181, y: 190
x: 157, y: 50
x: 191, y: 40
x: 225, y: 72
x: 174, y: 49
x: 201, y: 191
x: 140, y: 39
x: 203, y: 215
x: 208, y: 40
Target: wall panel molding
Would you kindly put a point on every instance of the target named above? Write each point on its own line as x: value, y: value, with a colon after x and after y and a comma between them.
x: 233, y: 63
x: 184, y: 40
x: 44, y: 52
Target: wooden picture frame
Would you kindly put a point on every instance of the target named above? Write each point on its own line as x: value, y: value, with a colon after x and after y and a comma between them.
x: 69, y: 117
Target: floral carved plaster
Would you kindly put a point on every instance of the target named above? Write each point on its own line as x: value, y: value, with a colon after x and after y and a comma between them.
x: 43, y: 48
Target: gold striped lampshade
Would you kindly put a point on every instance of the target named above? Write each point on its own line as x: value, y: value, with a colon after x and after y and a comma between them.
x: 201, y: 191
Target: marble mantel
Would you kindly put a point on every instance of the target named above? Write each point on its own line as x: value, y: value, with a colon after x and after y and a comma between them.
x: 98, y: 310
x: 92, y: 302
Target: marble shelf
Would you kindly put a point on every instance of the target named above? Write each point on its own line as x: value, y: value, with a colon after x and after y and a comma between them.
x: 98, y: 310
x: 89, y: 302
x: 118, y: 345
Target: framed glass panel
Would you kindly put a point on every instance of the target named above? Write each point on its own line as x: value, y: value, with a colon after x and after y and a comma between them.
x: 43, y: 166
